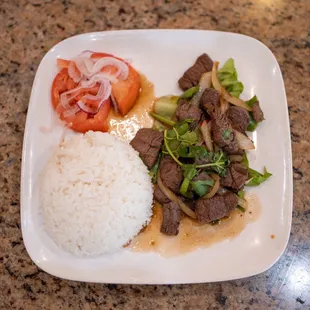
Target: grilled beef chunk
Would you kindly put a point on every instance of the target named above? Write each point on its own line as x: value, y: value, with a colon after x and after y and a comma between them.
x: 148, y: 143
x: 171, y: 219
x: 192, y: 75
x: 185, y: 111
x: 239, y: 118
x: 257, y: 113
x: 171, y: 174
x: 159, y: 196
x: 217, y: 207
x: 223, y: 134
x: 210, y: 101
x: 236, y: 176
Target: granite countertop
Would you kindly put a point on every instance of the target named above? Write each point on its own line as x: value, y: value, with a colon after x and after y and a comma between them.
x: 30, y: 28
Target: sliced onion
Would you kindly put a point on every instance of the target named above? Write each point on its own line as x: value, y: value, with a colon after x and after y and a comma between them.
x: 224, y: 105
x: 218, y: 86
x: 235, y: 158
x: 169, y: 194
x: 215, y: 187
x: 242, y: 203
x: 204, y: 83
x: 122, y: 68
x: 84, y: 64
x: 97, y: 78
x: 243, y: 141
x: 74, y: 109
x: 114, y: 103
x: 91, y: 110
x: 205, y: 129
x: 74, y: 73
x: 103, y: 93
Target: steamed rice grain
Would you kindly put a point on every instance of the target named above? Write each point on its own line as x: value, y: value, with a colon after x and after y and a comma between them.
x: 96, y: 194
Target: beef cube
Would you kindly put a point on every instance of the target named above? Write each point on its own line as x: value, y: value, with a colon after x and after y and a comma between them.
x: 171, y: 219
x: 210, y: 101
x: 148, y: 143
x: 239, y: 118
x: 159, y: 196
x: 236, y: 176
x: 171, y: 174
x: 192, y: 75
x: 217, y: 207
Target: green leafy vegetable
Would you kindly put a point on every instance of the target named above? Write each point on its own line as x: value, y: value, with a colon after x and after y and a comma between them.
x: 252, y: 124
x: 241, y: 194
x: 251, y: 101
x: 229, y: 78
x: 256, y: 178
x: 189, y: 93
x: 245, y: 160
x: 165, y: 106
x: 162, y: 119
x: 201, y: 187
x: 218, y: 163
x: 189, y: 172
x: 154, y: 170
x: 241, y: 209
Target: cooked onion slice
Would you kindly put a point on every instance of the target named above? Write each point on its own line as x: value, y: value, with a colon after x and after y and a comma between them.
x: 235, y: 158
x: 218, y: 86
x: 215, y: 187
x: 204, y: 83
x: 97, y: 78
x: 205, y: 129
x: 169, y: 194
x: 243, y: 141
x: 242, y: 203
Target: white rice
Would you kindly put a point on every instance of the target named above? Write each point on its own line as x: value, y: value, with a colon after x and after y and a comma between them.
x: 96, y: 194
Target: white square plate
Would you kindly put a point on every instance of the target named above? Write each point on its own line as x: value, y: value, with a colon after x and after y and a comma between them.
x: 163, y: 55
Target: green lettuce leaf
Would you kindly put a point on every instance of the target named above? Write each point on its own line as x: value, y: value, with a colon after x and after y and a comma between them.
x: 228, y: 77
x: 256, y: 178
x: 201, y: 187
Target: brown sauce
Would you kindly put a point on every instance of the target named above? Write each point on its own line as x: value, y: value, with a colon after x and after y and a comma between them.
x: 126, y: 127
x: 191, y: 235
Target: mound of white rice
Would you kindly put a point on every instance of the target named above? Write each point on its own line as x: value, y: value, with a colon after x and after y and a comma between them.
x: 96, y: 194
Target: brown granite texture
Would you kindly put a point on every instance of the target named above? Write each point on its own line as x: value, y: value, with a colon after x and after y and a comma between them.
x: 28, y: 29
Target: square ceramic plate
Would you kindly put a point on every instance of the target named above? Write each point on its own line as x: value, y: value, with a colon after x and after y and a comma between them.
x: 163, y: 55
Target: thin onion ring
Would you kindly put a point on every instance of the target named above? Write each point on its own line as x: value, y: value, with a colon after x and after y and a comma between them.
x: 215, y: 187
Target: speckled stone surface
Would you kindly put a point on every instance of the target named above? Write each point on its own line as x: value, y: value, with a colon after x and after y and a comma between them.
x: 28, y: 29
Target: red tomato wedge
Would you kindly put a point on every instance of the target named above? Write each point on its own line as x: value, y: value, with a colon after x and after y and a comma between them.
x: 126, y: 91
x: 81, y: 121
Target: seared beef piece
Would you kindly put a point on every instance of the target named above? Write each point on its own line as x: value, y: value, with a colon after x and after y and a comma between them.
x: 171, y: 219
x: 148, y: 143
x: 239, y: 118
x: 192, y: 75
x: 159, y: 196
x: 210, y: 101
x: 257, y: 113
x: 208, y: 210
x: 236, y: 176
x: 233, y: 148
x: 171, y: 174
x: 223, y: 134
x: 185, y: 111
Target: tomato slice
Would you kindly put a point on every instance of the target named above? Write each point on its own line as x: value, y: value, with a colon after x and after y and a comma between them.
x: 126, y: 91
x: 81, y: 121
